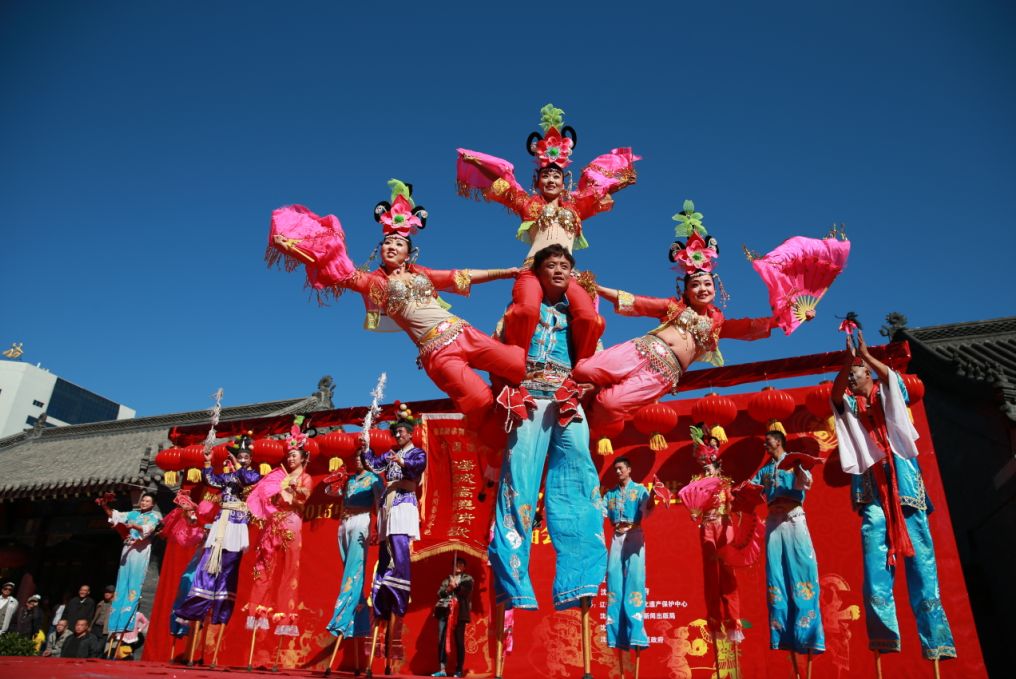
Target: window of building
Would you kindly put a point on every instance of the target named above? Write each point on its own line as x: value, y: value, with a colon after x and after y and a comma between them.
x: 74, y: 405
x: 37, y: 404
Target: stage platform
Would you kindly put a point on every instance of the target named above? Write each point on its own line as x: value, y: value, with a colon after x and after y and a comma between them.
x: 68, y: 668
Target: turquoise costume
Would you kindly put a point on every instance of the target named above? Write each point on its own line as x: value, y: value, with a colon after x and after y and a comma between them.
x: 137, y: 549
x: 626, y: 567
x: 921, y: 569
x: 351, y: 617
x: 795, y: 623
x: 574, y: 508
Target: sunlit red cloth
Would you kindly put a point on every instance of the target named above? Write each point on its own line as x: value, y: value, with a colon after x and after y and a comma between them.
x: 798, y: 273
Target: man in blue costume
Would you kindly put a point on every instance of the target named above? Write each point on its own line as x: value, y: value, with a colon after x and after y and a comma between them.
x: 628, y: 504
x: 877, y: 444
x: 553, y: 431
x: 795, y: 623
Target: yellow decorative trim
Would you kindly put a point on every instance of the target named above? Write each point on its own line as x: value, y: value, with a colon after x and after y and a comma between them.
x: 625, y: 302
x: 463, y: 281
x: 499, y: 186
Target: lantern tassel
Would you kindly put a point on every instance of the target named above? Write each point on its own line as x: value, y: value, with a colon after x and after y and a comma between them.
x: 169, y: 479
x: 657, y: 443
x: 719, y: 433
x: 334, y: 463
x: 265, y: 469
x: 193, y: 475
x: 604, y: 447
x: 776, y: 425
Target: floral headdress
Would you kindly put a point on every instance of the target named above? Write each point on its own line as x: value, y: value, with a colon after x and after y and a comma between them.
x: 705, y: 454
x: 554, y: 147
x: 696, y: 256
x: 296, y: 439
x: 400, y: 217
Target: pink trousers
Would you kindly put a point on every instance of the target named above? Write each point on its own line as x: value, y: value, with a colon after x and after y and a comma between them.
x: 626, y: 381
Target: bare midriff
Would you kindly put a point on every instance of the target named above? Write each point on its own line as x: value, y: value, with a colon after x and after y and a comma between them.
x: 412, y: 305
x: 681, y: 343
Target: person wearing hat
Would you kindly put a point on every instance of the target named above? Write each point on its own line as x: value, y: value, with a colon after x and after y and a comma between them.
x: 878, y: 448
x: 100, y: 622
x: 218, y: 571
x: 29, y: 620
x: 8, y: 606
x: 278, y: 499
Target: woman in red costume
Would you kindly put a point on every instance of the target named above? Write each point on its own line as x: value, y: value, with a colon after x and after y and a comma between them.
x: 403, y: 292
x: 640, y: 371
x: 552, y: 215
x: 278, y: 500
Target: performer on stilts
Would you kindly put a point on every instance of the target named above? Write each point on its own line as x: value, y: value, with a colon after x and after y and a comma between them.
x: 628, y: 504
x: 398, y: 526
x: 795, y: 623
x: 400, y: 290
x: 552, y: 215
x: 137, y: 549
x: 553, y: 432
x: 218, y: 572
x: 360, y: 492
x: 877, y: 444
x: 640, y: 371
x: 278, y: 500
x: 186, y: 529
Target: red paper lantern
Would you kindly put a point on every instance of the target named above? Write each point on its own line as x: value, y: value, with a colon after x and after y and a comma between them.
x: 716, y: 412
x: 337, y: 443
x: 219, y: 454
x: 655, y: 420
x: 193, y: 456
x: 169, y: 460
x: 915, y: 387
x: 268, y: 451
x: 817, y: 400
x: 603, y: 435
x: 381, y: 439
x: 771, y: 405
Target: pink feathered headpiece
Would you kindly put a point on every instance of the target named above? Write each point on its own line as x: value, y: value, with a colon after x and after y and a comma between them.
x: 400, y: 217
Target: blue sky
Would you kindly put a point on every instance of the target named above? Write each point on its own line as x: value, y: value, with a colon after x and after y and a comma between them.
x: 145, y: 144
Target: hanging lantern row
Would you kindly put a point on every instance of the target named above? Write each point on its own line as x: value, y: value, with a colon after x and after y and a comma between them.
x: 771, y: 405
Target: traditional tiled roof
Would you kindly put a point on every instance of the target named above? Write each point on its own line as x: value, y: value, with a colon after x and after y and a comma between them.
x: 87, y: 458
x: 983, y: 351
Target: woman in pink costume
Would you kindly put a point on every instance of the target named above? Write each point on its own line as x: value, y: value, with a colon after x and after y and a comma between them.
x: 552, y: 215
x: 403, y: 292
x: 278, y: 500
x: 640, y: 371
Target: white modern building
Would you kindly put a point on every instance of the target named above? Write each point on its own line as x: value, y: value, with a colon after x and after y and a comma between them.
x: 27, y: 391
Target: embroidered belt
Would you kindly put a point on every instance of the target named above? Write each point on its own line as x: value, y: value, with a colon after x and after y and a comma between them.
x: 441, y: 335
x: 661, y: 358
x: 354, y: 511
x: 543, y: 378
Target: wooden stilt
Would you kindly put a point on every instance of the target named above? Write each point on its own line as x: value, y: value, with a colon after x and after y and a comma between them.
x: 637, y: 651
x: 587, y: 649
x: 793, y: 663
x: 335, y: 651
x: 218, y: 642
x: 250, y: 655
x: 172, y: 650
x: 373, y: 647
x: 389, y: 633
x: 808, y: 666
x: 499, y: 645
x: 195, y: 633
x: 356, y: 656
x: 937, y: 672
x: 878, y: 665
x: 278, y: 652
x: 716, y: 652
x: 620, y: 661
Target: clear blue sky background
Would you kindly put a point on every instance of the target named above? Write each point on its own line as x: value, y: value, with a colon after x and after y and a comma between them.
x: 143, y: 146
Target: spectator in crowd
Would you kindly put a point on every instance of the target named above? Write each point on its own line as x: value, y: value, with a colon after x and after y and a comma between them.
x: 81, y: 607
x: 82, y: 644
x: 100, y: 621
x: 133, y: 639
x: 56, y: 639
x: 454, y: 602
x: 29, y: 620
x: 8, y: 606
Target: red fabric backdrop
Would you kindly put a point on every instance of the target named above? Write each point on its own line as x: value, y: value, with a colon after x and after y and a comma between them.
x: 547, y: 643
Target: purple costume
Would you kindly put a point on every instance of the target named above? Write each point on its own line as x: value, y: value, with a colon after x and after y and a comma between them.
x: 398, y: 520
x: 218, y: 571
